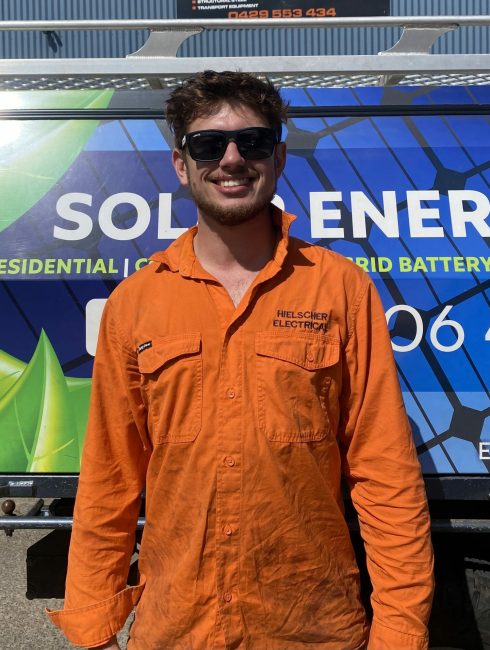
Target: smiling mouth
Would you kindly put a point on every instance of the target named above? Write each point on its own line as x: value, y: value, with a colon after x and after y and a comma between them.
x: 234, y: 182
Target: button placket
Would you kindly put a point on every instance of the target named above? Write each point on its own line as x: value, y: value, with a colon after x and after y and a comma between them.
x: 229, y: 485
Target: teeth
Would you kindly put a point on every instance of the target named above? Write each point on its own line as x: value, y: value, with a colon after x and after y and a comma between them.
x: 235, y: 182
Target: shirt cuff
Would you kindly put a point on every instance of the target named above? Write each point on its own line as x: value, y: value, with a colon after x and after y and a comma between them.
x: 385, y: 638
x: 96, y: 624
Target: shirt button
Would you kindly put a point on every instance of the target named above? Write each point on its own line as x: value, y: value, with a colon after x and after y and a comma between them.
x: 310, y: 357
x: 227, y: 530
x: 230, y: 393
x: 227, y: 597
x: 230, y: 461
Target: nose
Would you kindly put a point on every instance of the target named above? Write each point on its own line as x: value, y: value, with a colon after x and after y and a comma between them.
x: 232, y: 155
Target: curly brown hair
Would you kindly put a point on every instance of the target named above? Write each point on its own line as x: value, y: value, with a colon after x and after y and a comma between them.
x: 203, y: 93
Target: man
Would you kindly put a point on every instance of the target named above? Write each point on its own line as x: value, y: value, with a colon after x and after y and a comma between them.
x: 238, y: 428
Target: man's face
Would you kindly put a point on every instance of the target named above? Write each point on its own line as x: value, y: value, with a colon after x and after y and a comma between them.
x: 232, y: 190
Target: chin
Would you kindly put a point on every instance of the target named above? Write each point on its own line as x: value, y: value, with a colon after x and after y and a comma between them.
x: 232, y: 215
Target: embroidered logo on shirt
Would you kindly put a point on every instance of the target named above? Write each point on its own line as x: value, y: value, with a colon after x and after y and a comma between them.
x: 143, y: 346
x: 303, y: 320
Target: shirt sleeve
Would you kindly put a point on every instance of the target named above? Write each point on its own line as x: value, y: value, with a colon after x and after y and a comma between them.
x: 387, y: 489
x: 112, y: 475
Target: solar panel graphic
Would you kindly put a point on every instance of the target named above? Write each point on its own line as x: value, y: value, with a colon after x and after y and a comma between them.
x: 403, y: 195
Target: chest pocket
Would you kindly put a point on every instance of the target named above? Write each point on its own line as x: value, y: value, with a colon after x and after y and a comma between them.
x: 297, y: 385
x: 172, y: 379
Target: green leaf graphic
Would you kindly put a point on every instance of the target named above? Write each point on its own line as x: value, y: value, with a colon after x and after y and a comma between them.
x: 42, y: 414
x: 10, y: 370
x: 35, y: 154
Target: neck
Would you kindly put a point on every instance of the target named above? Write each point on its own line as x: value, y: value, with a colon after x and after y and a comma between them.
x: 248, y: 245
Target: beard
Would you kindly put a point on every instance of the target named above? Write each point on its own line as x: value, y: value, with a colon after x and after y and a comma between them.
x: 233, y: 215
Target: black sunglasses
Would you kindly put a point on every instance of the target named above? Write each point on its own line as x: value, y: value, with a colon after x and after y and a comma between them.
x: 254, y: 143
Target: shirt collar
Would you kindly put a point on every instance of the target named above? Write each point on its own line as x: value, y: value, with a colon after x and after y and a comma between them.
x: 180, y: 256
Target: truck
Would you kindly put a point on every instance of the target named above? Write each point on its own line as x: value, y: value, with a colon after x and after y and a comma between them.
x: 388, y: 164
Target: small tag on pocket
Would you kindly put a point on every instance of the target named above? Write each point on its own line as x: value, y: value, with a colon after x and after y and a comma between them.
x: 144, y: 346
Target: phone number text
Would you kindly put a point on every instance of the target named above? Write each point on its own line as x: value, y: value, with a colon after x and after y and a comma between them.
x: 315, y: 12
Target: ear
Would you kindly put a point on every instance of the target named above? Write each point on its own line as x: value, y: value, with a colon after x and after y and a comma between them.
x: 179, y: 163
x: 279, y: 158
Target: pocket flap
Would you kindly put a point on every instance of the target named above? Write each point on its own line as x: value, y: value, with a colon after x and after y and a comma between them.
x: 310, y: 351
x: 167, y: 349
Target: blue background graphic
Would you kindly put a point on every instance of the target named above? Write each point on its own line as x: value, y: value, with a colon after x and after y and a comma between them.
x: 446, y: 393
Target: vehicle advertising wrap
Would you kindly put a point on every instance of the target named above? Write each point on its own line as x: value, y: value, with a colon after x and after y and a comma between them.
x: 84, y: 203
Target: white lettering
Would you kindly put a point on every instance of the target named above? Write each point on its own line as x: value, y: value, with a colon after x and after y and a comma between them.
x: 362, y: 208
x: 278, y: 202
x: 319, y: 214
x: 440, y: 322
x: 418, y: 323
x: 65, y: 211
x: 326, y: 218
x: 459, y: 216
x: 484, y: 450
x: 93, y: 314
x: 417, y: 214
x: 143, y: 216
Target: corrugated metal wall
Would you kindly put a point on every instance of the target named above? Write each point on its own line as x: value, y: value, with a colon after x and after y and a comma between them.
x: 77, y: 44
x: 349, y: 41
x: 467, y: 40
x: 221, y: 42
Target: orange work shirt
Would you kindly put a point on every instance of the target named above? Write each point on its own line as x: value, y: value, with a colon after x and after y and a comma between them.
x: 238, y: 422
